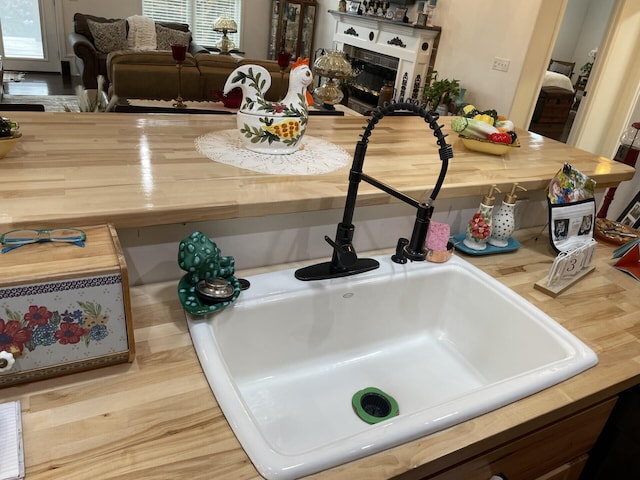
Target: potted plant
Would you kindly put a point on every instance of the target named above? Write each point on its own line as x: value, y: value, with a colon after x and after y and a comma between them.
x: 586, y: 71
x: 437, y: 92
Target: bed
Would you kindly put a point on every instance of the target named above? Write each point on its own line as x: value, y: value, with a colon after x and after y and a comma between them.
x: 558, y: 80
x: 553, y: 106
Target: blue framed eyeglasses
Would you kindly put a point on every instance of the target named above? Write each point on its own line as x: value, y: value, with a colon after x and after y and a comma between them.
x: 18, y: 238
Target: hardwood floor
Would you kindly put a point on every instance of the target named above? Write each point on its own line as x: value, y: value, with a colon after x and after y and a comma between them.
x: 37, y: 83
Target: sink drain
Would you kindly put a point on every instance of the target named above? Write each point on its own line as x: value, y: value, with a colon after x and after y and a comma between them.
x: 372, y: 405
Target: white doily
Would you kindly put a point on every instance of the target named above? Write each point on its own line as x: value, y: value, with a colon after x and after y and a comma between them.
x: 315, y: 155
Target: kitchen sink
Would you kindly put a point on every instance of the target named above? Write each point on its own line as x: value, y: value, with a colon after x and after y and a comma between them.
x: 446, y: 342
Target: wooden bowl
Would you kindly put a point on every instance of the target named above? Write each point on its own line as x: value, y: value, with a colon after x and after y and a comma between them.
x: 614, y: 232
x: 7, y: 144
x: 487, y: 146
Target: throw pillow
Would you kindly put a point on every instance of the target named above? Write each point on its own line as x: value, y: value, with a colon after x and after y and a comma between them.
x: 560, y: 68
x: 166, y: 37
x: 109, y: 36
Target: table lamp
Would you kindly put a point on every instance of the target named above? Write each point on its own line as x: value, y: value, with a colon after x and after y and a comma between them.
x: 335, y: 67
x: 225, y: 25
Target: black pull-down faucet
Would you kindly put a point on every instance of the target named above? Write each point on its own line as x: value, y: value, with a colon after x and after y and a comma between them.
x: 345, y: 261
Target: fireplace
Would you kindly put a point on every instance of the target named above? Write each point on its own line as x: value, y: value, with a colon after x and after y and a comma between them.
x: 385, y: 52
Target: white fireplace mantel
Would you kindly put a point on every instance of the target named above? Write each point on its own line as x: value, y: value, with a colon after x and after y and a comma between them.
x: 414, y: 46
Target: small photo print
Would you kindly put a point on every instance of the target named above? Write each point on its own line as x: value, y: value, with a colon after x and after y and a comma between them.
x: 585, y: 225
x: 560, y: 229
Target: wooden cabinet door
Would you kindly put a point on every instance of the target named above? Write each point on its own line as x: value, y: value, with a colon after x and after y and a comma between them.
x: 292, y: 27
x: 568, y: 471
x: 554, y: 452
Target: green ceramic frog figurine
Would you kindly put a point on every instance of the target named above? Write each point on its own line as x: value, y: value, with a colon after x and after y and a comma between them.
x: 201, y: 258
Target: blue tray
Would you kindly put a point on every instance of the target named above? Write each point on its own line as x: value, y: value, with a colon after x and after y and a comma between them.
x: 512, y: 244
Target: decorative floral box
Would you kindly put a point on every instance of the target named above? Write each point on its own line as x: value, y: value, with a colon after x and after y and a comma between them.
x: 64, y: 307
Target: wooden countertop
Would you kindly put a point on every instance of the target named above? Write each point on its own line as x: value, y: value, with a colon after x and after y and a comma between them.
x: 141, y: 170
x: 156, y: 418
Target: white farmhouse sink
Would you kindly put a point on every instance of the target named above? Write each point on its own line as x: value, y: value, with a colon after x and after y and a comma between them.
x: 446, y: 341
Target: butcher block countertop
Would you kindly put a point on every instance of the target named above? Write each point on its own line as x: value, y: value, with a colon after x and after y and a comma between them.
x: 156, y: 418
x: 143, y: 170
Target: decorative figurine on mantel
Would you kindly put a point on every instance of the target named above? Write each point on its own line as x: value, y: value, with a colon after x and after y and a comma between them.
x: 272, y: 127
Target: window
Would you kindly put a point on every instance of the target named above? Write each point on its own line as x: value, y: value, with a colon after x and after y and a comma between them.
x: 199, y: 14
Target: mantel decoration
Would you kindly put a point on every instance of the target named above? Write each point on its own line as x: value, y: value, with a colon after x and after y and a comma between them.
x: 266, y: 126
x: 378, y: 9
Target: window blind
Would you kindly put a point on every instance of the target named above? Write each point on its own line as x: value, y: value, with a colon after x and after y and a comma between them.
x: 199, y: 14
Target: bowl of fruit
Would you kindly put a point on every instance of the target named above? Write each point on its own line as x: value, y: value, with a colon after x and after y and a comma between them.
x: 9, y: 135
x: 487, y: 145
x: 485, y: 131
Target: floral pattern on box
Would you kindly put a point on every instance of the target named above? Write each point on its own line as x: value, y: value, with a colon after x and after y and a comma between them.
x: 55, y: 323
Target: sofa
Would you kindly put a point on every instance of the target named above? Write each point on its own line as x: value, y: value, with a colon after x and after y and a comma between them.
x: 92, y: 61
x: 152, y: 74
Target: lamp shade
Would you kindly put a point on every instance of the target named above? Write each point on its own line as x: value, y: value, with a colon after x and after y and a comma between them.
x: 333, y: 64
x: 225, y: 24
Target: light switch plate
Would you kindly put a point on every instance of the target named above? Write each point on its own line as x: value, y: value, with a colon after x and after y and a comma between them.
x: 501, y: 64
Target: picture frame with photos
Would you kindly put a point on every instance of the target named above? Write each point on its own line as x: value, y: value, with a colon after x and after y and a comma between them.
x: 631, y: 215
x: 399, y: 14
x: 422, y: 19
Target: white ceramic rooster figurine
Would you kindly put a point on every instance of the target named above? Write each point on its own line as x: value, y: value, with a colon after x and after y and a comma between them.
x: 266, y: 126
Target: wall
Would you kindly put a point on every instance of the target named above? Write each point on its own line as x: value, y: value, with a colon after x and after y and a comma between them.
x: 570, y: 29
x: 614, y: 84
x: 582, y: 30
x: 592, y: 33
